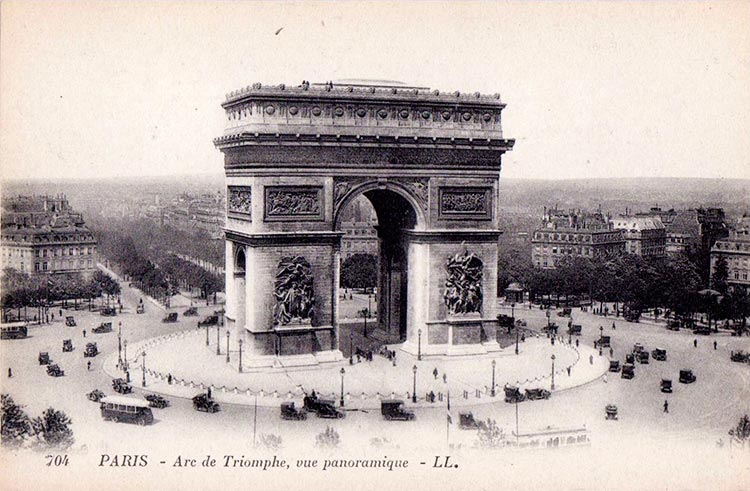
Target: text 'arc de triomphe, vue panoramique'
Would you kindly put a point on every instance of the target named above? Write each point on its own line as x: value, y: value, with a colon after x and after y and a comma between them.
x: 429, y: 163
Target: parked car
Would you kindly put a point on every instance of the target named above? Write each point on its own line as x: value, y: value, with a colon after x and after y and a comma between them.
x: 466, y: 421
x: 328, y: 409
x: 67, y: 345
x: 126, y: 409
x: 44, y: 358
x: 628, y: 371
x: 610, y: 411
x: 575, y: 330
x: 95, y: 395
x: 536, y: 394
x: 643, y: 357
x: 740, y: 356
x: 513, y: 394
x: 70, y: 321
x: 630, y: 358
x: 55, y: 370
x: 659, y: 354
x: 686, y: 376
x: 121, y: 386
x: 201, y: 402
x: 103, y: 328
x: 394, y: 409
x: 157, y: 401
x: 109, y: 311
x: 192, y: 311
x: 673, y: 325
x: 210, y: 320
x: 289, y: 411
x: 170, y: 317
x: 666, y: 385
x: 90, y: 351
x: 614, y: 366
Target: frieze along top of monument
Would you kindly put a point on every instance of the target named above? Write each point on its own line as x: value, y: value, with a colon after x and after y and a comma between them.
x: 356, y: 89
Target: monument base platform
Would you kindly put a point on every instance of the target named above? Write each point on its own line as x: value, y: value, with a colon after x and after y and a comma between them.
x: 307, y: 360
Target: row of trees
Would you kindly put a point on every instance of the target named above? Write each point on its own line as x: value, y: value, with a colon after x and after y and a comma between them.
x: 50, y: 430
x: 24, y: 291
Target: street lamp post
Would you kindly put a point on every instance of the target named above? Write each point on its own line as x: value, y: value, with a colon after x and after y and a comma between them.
x: 419, y: 344
x: 218, y: 340
x: 492, y: 392
x: 367, y: 314
x: 341, y: 402
x: 119, y: 344
x: 351, y: 345
x: 206, y: 334
x: 240, y: 342
x: 227, y: 346
x: 143, y: 368
x: 125, y: 356
x: 513, y: 316
x: 414, y: 388
x: 553, y: 372
x: 601, y: 337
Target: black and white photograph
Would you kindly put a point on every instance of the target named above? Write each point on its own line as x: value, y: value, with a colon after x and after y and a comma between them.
x: 375, y: 245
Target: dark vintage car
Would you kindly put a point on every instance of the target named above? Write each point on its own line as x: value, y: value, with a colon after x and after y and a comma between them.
x: 673, y: 325
x: 703, y: 331
x: 575, y: 329
x: 629, y: 358
x: 140, y: 309
x: 109, y: 311
x: 191, y: 312
x: 44, y: 358
x: 637, y: 348
x: 328, y: 409
x: 628, y: 371
x: 686, y: 376
x: 565, y: 312
x: 604, y: 342
x: 90, y: 351
x: 103, y: 328
x: 289, y: 411
x: 666, y: 385
x: 505, y: 321
x: 170, y: 317
x: 210, y: 320
x: 157, y: 401
x: 513, y: 394
x: 394, y: 409
x: 466, y: 421
x: 739, y: 356
x: 70, y: 321
x: 121, y: 386
x: 614, y: 366
x: 95, y: 395
x: 610, y: 411
x: 67, y: 345
x: 55, y: 370
x: 659, y: 354
x: 536, y: 394
x: 643, y: 357
x: 201, y: 402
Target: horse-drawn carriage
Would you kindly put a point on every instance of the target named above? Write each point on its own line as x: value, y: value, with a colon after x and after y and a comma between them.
x: 290, y: 412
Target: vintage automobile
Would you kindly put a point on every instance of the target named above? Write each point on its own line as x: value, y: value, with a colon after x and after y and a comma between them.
x: 289, y: 411
x: 604, y: 342
x: 109, y: 311
x: 126, y: 409
x: 55, y: 370
x: 157, y: 401
x: 551, y: 328
x: 140, y: 309
x: 629, y: 358
x: 201, y: 402
x: 466, y: 421
x: 565, y: 312
x: 95, y: 395
x: 703, y: 331
x: 673, y: 325
x: 536, y: 394
x: 575, y: 329
x: 686, y: 376
x: 191, y: 312
x: 103, y: 328
x: 666, y: 385
x: 90, y: 351
x: 739, y: 356
x: 614, y: 366
x: 170, y: 317
x: 628, y: 371
x: 394, y: 409
x: 659, y: 354
x: 513, y: 394
x: 44, y: 358
x: 121, y: 386
x: 610, y: 411
x: 637, y: 348
x: 67, y: 345
x: 328, y: 409
x: 70, y: 321
x: 505, y: 321
x: 210, y: 320
x: 642, y: 357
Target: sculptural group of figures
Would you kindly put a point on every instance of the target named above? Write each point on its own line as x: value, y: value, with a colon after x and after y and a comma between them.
x: 463, y: 287
x: 293, y: 290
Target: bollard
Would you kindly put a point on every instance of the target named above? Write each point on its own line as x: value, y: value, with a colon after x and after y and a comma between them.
x: 466, y: 394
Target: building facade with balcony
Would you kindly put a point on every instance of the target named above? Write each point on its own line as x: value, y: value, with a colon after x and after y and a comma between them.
x: 736, y: 250
x: 644, y: 236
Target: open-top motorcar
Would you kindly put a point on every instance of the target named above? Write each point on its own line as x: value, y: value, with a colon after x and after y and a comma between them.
x: 202, y: 402
x: 55, y: 371
x: 210, y: 320
x: 610, y: 411
x: 466, y: 421
x: 157, y: 401
x: 121, y: 386
x: 109, y: 312
x: 536, y: 394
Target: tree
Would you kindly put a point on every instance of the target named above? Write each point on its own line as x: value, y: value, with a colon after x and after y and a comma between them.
x: 328, y: 439
x: 721, y: 276
x: 359, y: 271
x: 271, y: 441
x: 15, y: 423
x: 741, y: 432
x: 52, y: 429
x: 490, y: 435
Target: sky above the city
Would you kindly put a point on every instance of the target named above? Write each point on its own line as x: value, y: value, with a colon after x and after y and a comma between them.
x: 597, y: 89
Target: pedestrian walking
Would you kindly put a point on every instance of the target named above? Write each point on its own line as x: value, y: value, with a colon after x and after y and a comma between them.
x: 666, y: 406
x: 209, y: 392
x: 60, y: 312
x: 568, y: 371
x: 714, y: 344
x: 84, y: 333
x: 576, y: 343
x: 10, y: 373
x: 613, y: 326
x: 169, y: 379
x: 445, y: 379
x: 53, y: 317
x: 591, y: 359
x: 695, y: 343
x: 88, y: 365
x: 610, y: 352
x: 435, y: 373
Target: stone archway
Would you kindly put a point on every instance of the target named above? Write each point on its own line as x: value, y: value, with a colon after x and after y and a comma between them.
x: 430, y: 164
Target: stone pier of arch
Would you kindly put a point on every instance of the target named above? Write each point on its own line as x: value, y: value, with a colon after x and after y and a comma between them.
x: 296, y: 156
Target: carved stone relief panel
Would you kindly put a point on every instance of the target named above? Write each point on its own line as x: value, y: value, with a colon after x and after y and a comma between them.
x: 463, y: 203
x: 293, y: 203
x: 239, y: 201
